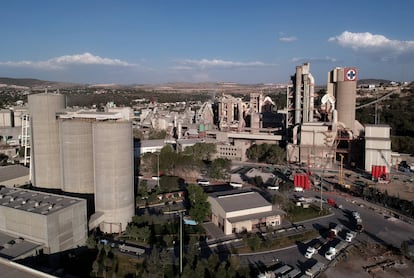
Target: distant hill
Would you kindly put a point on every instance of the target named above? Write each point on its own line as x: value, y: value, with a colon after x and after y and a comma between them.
x: 35, y: 83
x: 373, y: 81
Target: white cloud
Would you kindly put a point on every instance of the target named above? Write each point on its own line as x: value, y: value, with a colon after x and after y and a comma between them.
x: 316, y: 60
x: 375, y: 44
x: 288, y: 39
x: 67, y: 60
x: 188, y: 64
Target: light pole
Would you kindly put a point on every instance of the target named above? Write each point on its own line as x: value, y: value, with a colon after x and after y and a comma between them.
x: 158, y: 169
x: 181, y: 242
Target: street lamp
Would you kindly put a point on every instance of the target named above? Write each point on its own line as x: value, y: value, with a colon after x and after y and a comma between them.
x: 158, y: 168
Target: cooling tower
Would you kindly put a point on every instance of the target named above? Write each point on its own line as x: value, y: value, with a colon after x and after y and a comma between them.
x: 114, y: 173
x: 77, y: 155
x: 345, y: 95
x: 46, y: 170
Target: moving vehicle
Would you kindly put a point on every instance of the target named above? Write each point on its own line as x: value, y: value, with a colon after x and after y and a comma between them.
x: 203, y: 182
x: 332, y: 202
x: 131, y: 249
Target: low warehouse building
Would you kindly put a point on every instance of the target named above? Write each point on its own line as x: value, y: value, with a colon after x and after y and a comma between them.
x: 58, y: 222
x: 236, y: 211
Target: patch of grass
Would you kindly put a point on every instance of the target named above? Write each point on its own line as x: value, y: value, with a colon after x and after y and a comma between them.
x: 278, y: 242
x: 297, y: 214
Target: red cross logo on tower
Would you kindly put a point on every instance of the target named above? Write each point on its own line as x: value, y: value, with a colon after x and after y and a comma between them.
x: 350, y: 74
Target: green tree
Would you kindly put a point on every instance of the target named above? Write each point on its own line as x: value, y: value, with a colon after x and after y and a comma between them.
x: 219, y: 168
x: 201, y: 151
x: 199, y: 206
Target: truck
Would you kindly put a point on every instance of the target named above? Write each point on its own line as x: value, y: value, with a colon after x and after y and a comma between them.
x: 282, y: 270
x: 330, y: 254
x: 333, y: 232
x: 315, y: 269
x: 131, y: 249
x: 310, y: 252
x: 350, y: 236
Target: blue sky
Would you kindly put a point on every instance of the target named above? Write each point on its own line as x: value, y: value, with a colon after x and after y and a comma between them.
x: 154, y: 41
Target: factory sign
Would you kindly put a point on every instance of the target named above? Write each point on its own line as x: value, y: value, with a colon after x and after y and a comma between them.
x: 350, y: 74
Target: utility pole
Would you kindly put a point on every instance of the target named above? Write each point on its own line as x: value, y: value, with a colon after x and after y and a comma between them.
x: 158, y: 169
x: 181, y: 242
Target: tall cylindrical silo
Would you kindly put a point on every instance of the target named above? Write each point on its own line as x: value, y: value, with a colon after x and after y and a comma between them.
x: 346, y: 96
x: 45, y: 161
x: 77, y: 155
x: 114, y: 173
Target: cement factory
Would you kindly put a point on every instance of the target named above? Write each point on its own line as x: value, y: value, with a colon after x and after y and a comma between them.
x: 83, y: 152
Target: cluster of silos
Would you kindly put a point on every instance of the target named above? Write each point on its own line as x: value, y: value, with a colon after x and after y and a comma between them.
x: 342, y: 86
x: 84, y: 154
x: 46, y: 166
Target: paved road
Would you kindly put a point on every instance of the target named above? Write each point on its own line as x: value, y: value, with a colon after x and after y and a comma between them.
x: 377, y: 228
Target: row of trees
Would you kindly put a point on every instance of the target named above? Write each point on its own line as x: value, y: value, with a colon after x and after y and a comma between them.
x: 161, y: 264
x: 374, y: 195
x: 187, y: 164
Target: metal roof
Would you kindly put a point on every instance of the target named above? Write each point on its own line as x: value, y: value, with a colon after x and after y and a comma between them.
x: 240, y: 200
x: 13, y: 172
x: 34, y: 201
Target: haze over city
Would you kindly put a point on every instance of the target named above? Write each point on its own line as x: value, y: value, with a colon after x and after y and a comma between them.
x: 128, y: 42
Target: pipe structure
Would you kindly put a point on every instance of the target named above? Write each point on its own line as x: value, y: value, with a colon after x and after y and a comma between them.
x: 298, y: 89
x: 311, y: 96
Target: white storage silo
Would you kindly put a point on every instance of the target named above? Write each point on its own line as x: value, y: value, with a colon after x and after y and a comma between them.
x: 344, y: 80
x: 77, y: 155
x: 46, y: 167
x: 114, y: 173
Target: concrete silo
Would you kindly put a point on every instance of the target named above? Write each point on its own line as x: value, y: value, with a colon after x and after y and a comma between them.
x: 342, y: 85
x: 77, y: 155
x: 46, y: 167
x: 114, y: 174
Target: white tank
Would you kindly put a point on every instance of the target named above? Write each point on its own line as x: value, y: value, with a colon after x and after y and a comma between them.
x: 114, y: 173
x: 46, y: 170
x: 77, y: 155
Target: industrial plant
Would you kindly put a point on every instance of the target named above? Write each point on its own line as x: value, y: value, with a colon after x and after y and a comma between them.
x: 90, y: 153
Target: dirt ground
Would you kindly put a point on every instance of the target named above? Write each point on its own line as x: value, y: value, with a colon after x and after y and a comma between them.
x: 371, y: 260
x: 401, y: 186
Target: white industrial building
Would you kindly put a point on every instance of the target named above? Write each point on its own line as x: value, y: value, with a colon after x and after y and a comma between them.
x: 237, y: 211
x: 57, y: 223
x: 377, y: 146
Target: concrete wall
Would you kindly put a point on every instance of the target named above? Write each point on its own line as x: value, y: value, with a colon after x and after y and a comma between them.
x: 61, y: 230
x: 67, y: 228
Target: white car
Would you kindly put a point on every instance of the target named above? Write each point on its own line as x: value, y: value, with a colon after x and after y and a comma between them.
x: 273, y: 187
x: 298, y: 189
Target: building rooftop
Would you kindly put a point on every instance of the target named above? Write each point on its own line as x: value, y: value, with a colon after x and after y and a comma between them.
x: 255, y: 216
x: 85, y: 114
x: 13, y: 172
x: 34, y: 201
x: 12, y: 247
x: 236, y: 200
